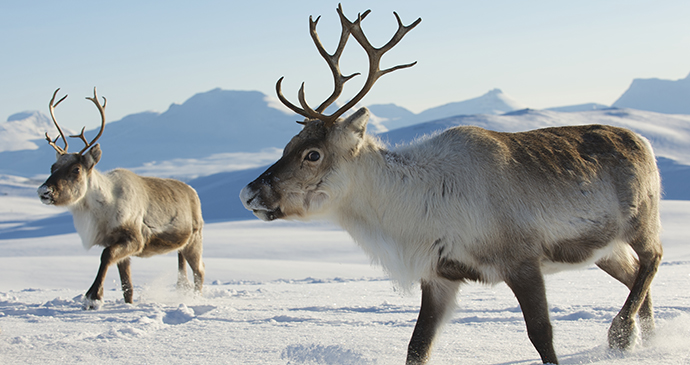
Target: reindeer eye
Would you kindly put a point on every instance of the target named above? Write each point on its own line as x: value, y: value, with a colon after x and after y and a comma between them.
x: 313, y: 156
x: 75, y: 170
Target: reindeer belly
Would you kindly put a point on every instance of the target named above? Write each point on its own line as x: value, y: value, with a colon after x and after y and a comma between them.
x: 550, y: 265
x: 588, y: 240
x: 165, y: 242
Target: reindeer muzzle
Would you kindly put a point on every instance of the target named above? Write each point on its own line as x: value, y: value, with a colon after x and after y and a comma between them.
x: 45, y: 193
x: 252, y: 200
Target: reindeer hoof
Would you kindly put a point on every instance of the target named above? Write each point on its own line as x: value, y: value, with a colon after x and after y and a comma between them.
x: 92, y: 304
x: 622, y: 334
x: 184, y: 286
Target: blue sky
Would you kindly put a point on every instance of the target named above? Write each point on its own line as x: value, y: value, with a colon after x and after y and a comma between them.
x: 147, y: 55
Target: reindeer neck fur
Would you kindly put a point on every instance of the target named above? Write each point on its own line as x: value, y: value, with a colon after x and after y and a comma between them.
x: 380, y: 225
x: 88, y: 212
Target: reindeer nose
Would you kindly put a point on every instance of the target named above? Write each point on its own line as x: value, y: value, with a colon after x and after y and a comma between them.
x: 44, y: 189
x: 247, y: 195
x: 45, y: 193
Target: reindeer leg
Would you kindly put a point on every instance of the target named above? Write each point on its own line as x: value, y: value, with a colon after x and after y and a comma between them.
x: 126, y: 279
x: 120, y: 244
x: 95, y: 293
x: 527, y: 283
x: 182, y: 281
x: 438, y: 297
x: 623, y: 266
x: 637, y: 275
x: 192, y: 253
x: 639, y: 300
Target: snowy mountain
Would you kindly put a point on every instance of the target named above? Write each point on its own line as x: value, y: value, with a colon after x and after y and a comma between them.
x: 214, y: 122
x: 661, y: 96
x: 493, y: 102
x: 22, y: 130
x: 390, y: 114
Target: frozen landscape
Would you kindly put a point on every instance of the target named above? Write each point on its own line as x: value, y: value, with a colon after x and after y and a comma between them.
x: 298, y: 293
x: 295, y: 293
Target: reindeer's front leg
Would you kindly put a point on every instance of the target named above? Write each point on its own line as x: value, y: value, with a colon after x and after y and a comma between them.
x: 94, y: 295
x: 527, y: 283
x: 437, y: 301
x: 124, y: 244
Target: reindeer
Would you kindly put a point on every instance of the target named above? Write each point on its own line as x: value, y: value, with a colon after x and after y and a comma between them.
x: 127, y: 214
x: 471, y: 204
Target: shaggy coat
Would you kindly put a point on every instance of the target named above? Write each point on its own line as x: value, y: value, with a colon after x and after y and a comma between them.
x: 470, y: 204
x: 128, y: 215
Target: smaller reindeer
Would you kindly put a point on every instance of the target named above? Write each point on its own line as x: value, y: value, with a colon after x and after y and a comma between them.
x: 127, y: 214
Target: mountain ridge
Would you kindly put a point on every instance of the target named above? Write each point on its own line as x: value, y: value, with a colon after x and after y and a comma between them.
x: 218, y: 122
x: 657, y: 95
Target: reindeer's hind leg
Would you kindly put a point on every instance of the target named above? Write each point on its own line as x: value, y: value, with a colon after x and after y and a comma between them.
x: 126, y: 279
x: 623, y: 266
x: 183, y: 283
x: 637, y: 275
x: 192, y: 254
x: 438, y: 297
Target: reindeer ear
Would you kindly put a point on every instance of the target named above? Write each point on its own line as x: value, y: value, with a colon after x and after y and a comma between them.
x: 357, y: 122
x: 93, y: 155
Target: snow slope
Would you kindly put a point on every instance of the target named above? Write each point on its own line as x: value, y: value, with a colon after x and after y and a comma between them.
x: 579, y: 107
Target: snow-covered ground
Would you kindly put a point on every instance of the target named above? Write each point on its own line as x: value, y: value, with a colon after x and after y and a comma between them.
x: 296, y: 293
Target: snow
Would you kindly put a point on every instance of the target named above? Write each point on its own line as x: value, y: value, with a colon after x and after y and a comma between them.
x: 297, y: 293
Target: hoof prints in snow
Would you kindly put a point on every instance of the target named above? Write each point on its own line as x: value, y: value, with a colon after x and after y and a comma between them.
x: 319, y: 354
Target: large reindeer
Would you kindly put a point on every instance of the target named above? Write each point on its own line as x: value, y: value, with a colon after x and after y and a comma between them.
x: 473, y: 205
x: 127, y: 214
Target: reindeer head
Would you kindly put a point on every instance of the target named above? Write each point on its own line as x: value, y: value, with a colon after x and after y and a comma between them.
x: 68, y: 181
x: 312, y: 173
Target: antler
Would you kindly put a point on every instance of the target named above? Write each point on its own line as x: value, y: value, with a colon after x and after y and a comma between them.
x: 375, y: 72
x: 52, y: 142
x: 101, y: 110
